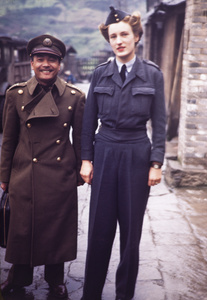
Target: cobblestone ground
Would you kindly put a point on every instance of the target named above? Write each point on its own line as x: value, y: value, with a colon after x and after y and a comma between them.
x: 173, y: 257
x: 173, y: 262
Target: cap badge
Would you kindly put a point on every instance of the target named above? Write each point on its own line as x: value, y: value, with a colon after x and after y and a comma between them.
x: 47, y: 42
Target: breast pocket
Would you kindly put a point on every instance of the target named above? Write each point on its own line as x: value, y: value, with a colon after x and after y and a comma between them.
x: 142, y: 100
x: 104, y: 97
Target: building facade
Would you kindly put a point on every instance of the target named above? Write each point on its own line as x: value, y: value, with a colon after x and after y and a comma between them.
x: 192, y: 142
x: 176, y: 39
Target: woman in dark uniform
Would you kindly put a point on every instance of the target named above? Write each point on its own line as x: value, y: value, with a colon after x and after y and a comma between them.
x: 120, y: 161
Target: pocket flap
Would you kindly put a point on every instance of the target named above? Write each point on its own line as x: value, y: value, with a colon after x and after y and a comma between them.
x: 104, y: 90
x: 143, y: 91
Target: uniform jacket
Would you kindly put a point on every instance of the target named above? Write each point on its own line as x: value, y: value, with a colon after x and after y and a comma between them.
x: 126, y: 107
x: 42, y: 167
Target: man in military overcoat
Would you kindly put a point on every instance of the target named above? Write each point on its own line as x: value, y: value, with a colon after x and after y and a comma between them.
x: 40, y: 167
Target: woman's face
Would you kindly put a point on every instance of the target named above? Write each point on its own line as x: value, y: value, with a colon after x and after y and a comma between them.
x: 122, y: 41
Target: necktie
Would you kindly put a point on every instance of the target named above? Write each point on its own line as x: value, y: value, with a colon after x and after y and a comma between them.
x: 123, y: 73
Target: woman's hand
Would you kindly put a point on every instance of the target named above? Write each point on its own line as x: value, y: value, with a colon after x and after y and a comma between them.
x: 154, y: 176
x: 4, y: 186
x: 86, y: 171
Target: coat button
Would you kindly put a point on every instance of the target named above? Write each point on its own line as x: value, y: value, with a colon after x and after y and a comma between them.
x: 59, y: 158
x: 29, y: 125
x: 20, y: 92
x: 34, y: 160
x: 22, y: 108
x: 70, y: 108
x: 73, y: 92
x: 58, y: 142
x: 65, y: 124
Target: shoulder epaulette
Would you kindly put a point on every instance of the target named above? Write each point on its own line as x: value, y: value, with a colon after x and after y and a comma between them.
x: 72, y: 86
x: 104, y: 63
x: 149, y: 62
x: 20, y: 84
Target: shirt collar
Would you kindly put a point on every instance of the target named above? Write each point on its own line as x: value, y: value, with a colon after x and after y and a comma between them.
x: 129, y: 64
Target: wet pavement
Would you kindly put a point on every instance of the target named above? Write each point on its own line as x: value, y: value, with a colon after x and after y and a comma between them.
x: 173, y: 255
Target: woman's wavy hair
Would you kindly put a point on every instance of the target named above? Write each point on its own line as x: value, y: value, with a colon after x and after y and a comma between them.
x: 133, y: 20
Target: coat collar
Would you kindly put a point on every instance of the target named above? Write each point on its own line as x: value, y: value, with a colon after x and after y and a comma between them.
x: 46, y: 107
x: 59, y: 83
x: 138, y: 70
x: 43, y: 105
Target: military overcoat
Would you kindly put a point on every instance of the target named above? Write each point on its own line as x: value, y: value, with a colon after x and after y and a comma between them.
x: 42, y: 165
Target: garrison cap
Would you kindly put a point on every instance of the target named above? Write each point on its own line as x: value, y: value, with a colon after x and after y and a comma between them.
x: 46, y: 44
x: 115, y: 16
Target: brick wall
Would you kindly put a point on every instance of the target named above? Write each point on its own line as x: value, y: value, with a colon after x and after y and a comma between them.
x: 192, y: 140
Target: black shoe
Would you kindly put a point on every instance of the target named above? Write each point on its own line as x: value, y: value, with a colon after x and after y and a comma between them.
x: 6, y: 287
x: 59, y: 291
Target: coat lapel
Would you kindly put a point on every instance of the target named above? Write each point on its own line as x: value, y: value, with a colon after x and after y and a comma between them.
x: 112, y: 70
x: 116, y: 76
x: 33, y: 102
x: 137, y: 71
x: 46, y: 107
x: 43, y: 104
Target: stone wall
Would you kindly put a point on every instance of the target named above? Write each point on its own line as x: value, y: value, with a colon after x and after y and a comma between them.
x: 191, y: 165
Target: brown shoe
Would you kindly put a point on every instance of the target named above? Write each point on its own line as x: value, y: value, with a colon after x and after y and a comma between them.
x: 59, y: 291
x: 6, y: 287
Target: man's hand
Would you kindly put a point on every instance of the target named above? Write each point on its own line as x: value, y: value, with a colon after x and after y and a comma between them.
x: 4, y: 186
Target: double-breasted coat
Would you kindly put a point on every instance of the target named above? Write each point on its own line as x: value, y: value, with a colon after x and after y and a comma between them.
x: 42, y: 165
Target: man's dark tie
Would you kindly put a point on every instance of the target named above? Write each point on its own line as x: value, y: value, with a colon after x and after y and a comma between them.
x: 123, y: 73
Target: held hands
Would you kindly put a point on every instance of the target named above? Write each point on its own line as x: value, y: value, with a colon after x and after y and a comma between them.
x: 154, y: 176
x: 86, y: 171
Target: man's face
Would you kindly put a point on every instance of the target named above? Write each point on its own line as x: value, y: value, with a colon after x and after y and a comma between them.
x: 46, y: 68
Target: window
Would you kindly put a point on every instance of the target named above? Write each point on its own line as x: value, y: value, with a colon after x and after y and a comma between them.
x: 7, y: 54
